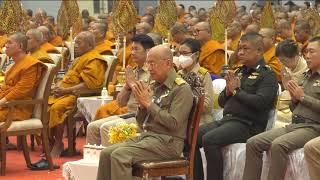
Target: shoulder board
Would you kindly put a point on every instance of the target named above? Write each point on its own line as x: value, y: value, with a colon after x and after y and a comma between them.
x: 179, y: 81
x: 268, y: 67
x: 202, y: 71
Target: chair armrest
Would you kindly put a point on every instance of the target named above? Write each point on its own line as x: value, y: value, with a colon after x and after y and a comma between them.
x: 23, y: 102
x: 87, y: 92
x: 10, y: 104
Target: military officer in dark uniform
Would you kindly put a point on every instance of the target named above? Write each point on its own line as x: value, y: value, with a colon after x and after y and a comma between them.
x: 162, y: 114
x: 249, y: 95
x: 305, y: 107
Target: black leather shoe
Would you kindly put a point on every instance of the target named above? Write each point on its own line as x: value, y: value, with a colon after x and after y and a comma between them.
x: 42, y: 165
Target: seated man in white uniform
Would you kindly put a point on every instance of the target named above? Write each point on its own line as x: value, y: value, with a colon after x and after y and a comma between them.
x: 97, y: 131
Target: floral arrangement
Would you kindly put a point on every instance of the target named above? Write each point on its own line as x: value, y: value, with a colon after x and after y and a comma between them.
x: 121, y: 132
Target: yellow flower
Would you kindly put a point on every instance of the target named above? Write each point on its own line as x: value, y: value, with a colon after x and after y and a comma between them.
x: 121, y: 132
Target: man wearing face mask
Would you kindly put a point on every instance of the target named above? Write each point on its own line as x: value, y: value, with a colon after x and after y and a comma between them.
x: 189, y: 51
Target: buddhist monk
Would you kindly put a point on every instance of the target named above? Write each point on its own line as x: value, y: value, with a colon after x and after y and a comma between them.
x: 245, y: 20
x: 269, y: 37
x: 46, y: 46
x: 143, y: 28
x: 191, y: 23
x: 179, y: 33
x: 234, y: 34
x: 55, y: 39
x: 148, y: 18
x: 35, y: 38
x: 103, y: 46
x: 284, y: 30
x: 252, y: 28
x: 212, y: 52
x: 302, y: 33
x: 21, y: 80
x: 86, y: 72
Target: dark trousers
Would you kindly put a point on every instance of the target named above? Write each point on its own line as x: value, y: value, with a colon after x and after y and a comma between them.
x: 212, y: 137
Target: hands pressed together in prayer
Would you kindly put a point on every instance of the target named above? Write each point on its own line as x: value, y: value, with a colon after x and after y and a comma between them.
x: 296, y: 91
x: 142, y: 93
x: 286, y: 77
x: 130, y: 78
x: 233, y: 83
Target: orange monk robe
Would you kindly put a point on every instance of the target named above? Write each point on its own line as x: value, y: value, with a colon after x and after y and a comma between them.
x: 110, y: 36
x: 271, y: 60
x: 57, y: 41
x: 49, y: 48
x: 129, y: 60
x: 21, y: 82
x: 212, y: 57
x: 234, y: 43
x: 110, y: 109
x: 3, y: 41
x: 104, y: 47
x: 89, y: 68
x: 42, y: 56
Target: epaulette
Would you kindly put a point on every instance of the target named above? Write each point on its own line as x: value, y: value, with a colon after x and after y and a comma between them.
x: 179, y: 81
x: 268, y: 67
x: 202, y: 71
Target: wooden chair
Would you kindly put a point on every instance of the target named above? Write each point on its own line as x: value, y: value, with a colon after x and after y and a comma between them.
x: 4, y: 59
x: 71, y: 121
x: 37, y: 124
x: 179, y: 166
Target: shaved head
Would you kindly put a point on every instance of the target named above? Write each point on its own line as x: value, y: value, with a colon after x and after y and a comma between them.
x: 143, y: 28
x: 269, y: 37
x: 163, y: 51
x: 205, y: 26
x: 252, y: 28
x: 268, y: 32
x: 45, y: 32
x: 159, y: 62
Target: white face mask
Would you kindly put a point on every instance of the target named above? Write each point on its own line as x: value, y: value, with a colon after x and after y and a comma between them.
x: 185, y: 61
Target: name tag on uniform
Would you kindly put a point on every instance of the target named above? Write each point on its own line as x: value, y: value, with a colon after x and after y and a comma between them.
x: 252, y: 77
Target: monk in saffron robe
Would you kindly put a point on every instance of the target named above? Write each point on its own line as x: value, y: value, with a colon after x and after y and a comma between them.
x: 234, y: 34
x: 302, y: 33
x: 56, y: 41
x: 21, y: 80
x: 35, y: 38
x: 3, y: 40
x: 86, y: 72
x: 269, y: 39
x: 102, y: 46
x: 212, y: 52
x: 46, y: 46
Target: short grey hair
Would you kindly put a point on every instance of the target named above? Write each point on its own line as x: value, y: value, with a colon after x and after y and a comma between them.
x: 37, y: 34
x: 89, y: 38
x: 21, y: 39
